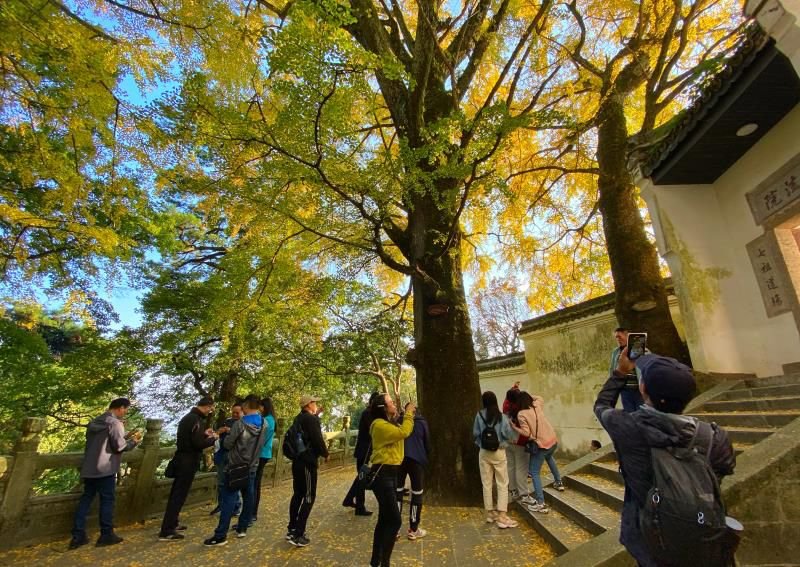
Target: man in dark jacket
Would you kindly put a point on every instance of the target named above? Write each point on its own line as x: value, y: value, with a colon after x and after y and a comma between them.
x: 356, y: 496
x: 193, y: 439
x: 105, y: 442
x: 304, y: 471
x: 666, y: 386
x: 243, y: 444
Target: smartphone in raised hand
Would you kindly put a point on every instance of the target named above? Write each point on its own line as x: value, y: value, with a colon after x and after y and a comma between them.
x: 637, y: 345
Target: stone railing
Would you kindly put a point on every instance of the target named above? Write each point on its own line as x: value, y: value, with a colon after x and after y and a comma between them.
x: 142, y: 490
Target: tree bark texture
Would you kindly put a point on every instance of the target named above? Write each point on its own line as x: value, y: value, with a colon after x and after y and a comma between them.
x: 641, y: 297
x: 444, y: 358
x: 227, y: 395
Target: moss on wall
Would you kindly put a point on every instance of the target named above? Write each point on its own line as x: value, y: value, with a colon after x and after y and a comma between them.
x: 701, y: 284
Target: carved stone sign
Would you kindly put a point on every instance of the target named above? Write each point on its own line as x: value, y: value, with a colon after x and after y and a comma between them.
x: 773, y: 289
x: 776, y: 192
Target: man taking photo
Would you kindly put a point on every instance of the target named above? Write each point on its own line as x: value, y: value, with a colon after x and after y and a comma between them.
x: 105, y: 442
x: 666, y: 386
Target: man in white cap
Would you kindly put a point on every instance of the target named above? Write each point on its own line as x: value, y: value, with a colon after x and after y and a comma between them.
x: 304, y: 470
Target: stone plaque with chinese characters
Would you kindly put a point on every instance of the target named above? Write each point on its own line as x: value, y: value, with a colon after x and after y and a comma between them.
x: 777, y: 192
x: 773, y: 289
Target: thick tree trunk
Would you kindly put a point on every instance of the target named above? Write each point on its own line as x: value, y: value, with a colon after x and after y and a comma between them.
x: 227, y: 395
x: 447, y: 373
x: 641, y: 303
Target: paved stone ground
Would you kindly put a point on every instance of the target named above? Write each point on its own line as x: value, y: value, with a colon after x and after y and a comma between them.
x: 457, y: 537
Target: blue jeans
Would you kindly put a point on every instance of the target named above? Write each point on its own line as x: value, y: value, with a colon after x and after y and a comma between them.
x: 631, y: 400
x: 535, y: 468
x: 105, y: 487
x: 229, y: 498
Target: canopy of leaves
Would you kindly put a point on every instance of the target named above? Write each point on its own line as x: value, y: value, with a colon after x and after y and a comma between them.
x: 55, y: 367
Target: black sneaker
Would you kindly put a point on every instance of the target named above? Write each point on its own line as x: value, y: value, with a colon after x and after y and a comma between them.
x: 241, y: 534
x: 171, y: 537
x: 215, y: 541
x: 216, y: 510
x: 300, y: 541
x: 180, y: 529
x: 75, y: 543
x: 363, y: 512
x: 289, y: 536
x: 110, y: 539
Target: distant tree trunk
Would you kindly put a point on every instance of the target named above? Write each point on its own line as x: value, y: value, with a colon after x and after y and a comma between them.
x: 444, y: 357
x: 641, y: 298
x: 227, y: 395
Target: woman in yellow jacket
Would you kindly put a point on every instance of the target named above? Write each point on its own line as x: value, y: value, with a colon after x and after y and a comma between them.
x: 387, y: 454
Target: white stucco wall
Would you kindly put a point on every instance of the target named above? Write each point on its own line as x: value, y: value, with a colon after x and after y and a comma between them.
x: 500, y: 381
x: 702, y: 231
x: 566, y: 364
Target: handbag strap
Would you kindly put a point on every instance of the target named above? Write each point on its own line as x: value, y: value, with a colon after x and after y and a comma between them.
x: 536, y: 433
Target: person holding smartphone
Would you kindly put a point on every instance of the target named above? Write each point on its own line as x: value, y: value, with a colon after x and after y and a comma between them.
x: 630, y: 396
x: 106, y: 440
x: 388, y: 451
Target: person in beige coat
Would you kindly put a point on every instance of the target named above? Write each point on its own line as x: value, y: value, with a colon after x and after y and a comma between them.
x: 543, y: 443
x: 492, y: 459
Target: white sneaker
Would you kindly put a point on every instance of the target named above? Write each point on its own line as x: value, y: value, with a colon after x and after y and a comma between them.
x: 420, y: 533
x: 539, y: 507
x: 491, y: 516
x: 528, y: 500
x: 504, y: 522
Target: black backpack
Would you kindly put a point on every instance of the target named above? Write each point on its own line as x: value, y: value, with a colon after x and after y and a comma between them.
x: 294, y: 444
x: 683, y: 519
x: 489, y: 439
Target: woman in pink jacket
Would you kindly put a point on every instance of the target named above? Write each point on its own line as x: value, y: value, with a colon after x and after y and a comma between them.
x: 543, y: 443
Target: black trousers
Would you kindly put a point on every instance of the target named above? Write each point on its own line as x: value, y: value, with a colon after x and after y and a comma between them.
x: 304, y: 492
x: 177, y: 498
x: 416, y: 472
x: 259, y: 475
x: 356, y: 493
x: 389, y: 521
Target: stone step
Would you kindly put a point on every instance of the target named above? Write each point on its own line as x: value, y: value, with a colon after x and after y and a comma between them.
x: 561, y: 533
x: 585, y: 511
x: 606, y: 470
x: 749, y: 435
x: 606, y: 492
x: 779, y: 391
x: 774, y: 419
x: 786, y: 380
x: 753, y: 404
x: 610, y: 457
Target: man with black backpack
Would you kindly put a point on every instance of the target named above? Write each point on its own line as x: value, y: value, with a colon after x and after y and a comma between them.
x: 305, y: 445
x: 243, y: 444
x: 664, y: 522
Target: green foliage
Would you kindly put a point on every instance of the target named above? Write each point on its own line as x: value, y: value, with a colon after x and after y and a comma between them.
x: 68, y: 198
x: 54, y: 367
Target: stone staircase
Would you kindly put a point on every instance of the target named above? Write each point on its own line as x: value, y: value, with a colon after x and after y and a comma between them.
x: 583, y: 523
